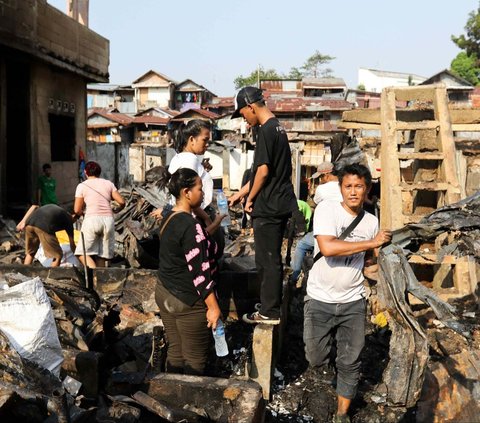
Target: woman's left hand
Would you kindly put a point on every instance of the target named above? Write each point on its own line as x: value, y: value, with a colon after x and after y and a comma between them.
x: 213, y: 315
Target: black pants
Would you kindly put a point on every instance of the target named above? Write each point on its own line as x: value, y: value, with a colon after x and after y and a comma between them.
x: 268, y: 236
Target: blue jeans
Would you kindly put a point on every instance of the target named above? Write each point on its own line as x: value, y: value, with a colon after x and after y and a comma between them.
x: 321, y: 320
x: 304, y: 246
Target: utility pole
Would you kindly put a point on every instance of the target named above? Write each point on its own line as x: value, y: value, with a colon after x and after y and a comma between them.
x: 78, y: 10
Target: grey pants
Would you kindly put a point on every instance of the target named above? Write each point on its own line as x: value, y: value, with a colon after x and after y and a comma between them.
x: 320, y: 321
x: 187, y: 333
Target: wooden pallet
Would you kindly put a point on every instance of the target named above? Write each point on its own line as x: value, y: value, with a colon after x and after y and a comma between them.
x: 453, y: 277
x: 418, y: 159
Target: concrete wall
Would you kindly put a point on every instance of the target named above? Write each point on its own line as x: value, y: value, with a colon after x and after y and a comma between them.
x: 48, y: 84
x: 113, y: 159
x: 35, y: 27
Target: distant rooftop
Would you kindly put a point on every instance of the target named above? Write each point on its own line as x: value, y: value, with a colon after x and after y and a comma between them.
x: 389, y: 74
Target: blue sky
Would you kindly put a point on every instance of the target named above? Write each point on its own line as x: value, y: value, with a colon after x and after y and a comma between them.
x: 213, y: 41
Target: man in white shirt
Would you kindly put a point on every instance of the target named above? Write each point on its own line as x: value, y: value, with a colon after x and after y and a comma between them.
x: 335, y: 298
x: 327, y: 190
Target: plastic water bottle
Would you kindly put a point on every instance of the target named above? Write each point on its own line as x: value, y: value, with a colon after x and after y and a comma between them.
x: 221, y: 347
x: 222, y: 205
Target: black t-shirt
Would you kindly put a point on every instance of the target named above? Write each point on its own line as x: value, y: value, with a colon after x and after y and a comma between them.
x: 276, y: 197
x: 187, y: 265
x: 50, y: 219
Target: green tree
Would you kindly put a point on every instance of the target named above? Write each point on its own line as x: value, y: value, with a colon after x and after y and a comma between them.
x: 466, y: 67
x: 467, y: 63
x: 470, y: 42
x: 314, y: 65
x: 295, y: 73
x: 252, y: 79
x: 361, y: 87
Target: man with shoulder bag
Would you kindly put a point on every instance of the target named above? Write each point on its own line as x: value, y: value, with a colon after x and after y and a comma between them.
x: 335, y: 300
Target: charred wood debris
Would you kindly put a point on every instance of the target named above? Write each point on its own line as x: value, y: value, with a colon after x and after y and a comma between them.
x: 421, y: 364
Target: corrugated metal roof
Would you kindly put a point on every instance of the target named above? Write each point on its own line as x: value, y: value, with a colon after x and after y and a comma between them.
x: 146, y: 84
x: 112, y: 116
x: 153, y: 110
x: 188, y: 85
x: 389, y: 74
x: 305, y: 104
x: 218, y: 102
x: 108, y: 87
x: 187, y: 114
x: 323, y: 83
x: 463, y: 83
x: 151, y: 120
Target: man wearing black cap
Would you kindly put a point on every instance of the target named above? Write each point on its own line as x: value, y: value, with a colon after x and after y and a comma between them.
x: 270, y: 199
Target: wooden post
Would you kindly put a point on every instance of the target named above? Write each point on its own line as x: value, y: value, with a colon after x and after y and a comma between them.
x: 3, y: 137
x: 446, y: 145
x: 226, y: 168
x: 390, y: 197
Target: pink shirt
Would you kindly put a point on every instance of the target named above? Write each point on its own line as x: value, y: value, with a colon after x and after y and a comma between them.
x: 97, y: 194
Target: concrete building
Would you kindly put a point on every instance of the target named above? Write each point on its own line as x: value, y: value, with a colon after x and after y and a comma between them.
x: 376, y: 80
x: 46, y: 61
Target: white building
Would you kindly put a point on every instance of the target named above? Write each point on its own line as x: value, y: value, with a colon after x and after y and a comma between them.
x: 376, y: 80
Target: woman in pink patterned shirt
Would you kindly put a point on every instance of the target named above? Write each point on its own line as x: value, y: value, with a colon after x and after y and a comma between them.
x: 186, y: 278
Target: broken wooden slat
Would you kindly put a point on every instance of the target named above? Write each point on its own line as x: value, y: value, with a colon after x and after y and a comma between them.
x: 420, y: 156
x: 161, y: 409
x: 472, y: 127
x: 418, y: 93
x: 426, y: 186
x: 415, y: 126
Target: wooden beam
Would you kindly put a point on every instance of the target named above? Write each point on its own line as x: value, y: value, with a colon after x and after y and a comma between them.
x: 418, y: 92
x: 462, y: 116
x: 358, y: 125
x: 431, y: 259
x: 362, y: 115
x: 426, y: 186
x: 414, y: 126
x: 420, y: 156
x: 466, y: 127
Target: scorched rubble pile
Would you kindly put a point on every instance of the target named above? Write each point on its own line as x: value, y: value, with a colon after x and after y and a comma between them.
x: 424, y: 365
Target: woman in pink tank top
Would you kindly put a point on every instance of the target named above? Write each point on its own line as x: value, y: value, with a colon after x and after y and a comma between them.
x: 92, y: 199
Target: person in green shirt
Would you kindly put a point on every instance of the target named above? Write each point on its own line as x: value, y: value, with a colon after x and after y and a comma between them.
x: 306, y: 210
x: 46, y: 187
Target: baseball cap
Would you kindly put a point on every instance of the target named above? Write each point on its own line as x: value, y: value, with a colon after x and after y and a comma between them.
x: 246, y: 96
x: 325, y: 167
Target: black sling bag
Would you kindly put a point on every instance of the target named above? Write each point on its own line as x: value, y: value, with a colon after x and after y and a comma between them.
x: 345, y: 233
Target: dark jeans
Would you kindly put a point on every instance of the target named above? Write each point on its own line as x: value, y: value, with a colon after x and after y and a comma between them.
x: 186, y: 332
x: 320, y: 321
x: 268, y: 236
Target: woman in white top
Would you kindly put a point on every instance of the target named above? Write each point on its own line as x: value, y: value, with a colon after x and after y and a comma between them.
x: 191, y: 143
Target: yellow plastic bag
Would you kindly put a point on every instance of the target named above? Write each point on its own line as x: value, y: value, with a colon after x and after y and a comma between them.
x: 62, y: 237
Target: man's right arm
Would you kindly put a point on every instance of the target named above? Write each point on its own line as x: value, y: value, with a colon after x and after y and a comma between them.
x: 331, y: 246
x: 235, y: 198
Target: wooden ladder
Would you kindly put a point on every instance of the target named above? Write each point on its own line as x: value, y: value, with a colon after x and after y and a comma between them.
x: 418, y: 160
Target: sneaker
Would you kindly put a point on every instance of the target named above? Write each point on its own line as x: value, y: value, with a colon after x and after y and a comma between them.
x: 341, y: 418
x: 256, y: 317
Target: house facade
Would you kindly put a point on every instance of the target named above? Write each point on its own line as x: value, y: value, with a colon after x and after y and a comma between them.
x: 154, y: 89
x: 190, y: 95
x: 46, y: 60
x: 120, y: 97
